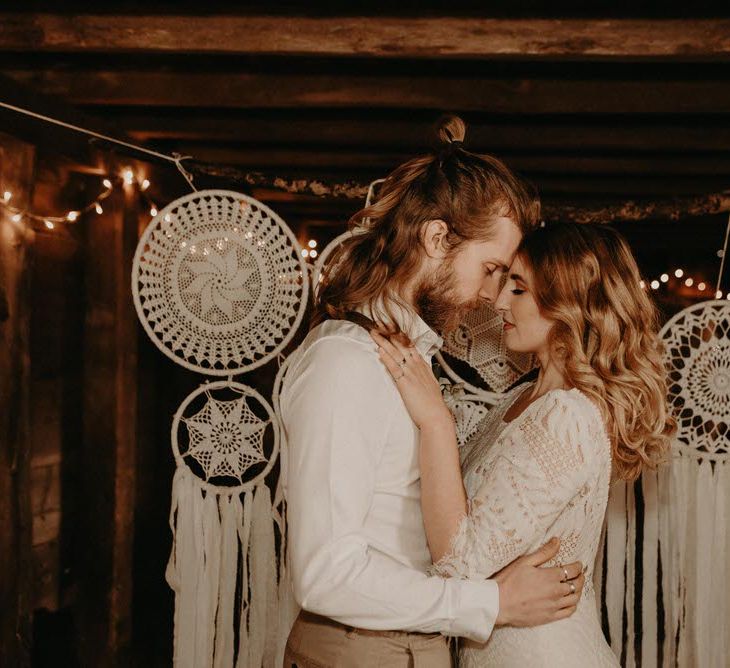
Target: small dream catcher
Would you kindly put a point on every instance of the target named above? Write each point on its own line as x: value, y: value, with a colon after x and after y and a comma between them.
x: 220, y: 287
x: 475, y: 358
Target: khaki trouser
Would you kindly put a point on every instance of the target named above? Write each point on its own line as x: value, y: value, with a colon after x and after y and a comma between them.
x: 319, y: 642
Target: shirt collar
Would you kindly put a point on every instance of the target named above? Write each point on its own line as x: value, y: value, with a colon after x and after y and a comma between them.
x: 426, y: 341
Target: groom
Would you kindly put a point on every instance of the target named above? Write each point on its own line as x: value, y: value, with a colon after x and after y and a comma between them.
x: 441, y: 234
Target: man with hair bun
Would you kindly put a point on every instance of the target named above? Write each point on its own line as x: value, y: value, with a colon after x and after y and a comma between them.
x: 438, y: 239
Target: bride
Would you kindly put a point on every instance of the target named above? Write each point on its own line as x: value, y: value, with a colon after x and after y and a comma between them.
x: 541, y: 463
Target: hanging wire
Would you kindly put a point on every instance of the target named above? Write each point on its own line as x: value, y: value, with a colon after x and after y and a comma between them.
x: 724, y: 255
x: 176, y: 159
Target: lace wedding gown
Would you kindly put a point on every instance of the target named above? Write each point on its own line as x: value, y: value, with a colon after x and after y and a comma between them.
x: 546, y: 473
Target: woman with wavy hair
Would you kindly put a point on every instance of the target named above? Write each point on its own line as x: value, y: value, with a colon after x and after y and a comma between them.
x: 542, y: 461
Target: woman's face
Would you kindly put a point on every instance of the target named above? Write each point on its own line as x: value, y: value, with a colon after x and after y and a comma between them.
x: 525, y: 328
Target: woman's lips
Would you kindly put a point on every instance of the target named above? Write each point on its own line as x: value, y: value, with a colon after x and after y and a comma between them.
x: 507, y: 326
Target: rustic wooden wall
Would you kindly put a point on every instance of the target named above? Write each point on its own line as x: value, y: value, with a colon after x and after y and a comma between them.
x: 16, y: 577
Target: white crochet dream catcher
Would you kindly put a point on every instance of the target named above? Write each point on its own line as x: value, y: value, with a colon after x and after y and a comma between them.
x: 220, y: 287
x: 684, y: 514
x: 219, y: 283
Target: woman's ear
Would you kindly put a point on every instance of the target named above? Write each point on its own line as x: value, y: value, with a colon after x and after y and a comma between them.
x: 433, y: 238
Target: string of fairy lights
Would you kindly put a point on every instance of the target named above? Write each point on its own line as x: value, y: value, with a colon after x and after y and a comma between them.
x: 127, y: 176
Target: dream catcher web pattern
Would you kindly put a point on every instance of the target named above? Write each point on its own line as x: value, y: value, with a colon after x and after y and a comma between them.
x: 219, y: 283
x: 697, y: 343
x: 225, y: 437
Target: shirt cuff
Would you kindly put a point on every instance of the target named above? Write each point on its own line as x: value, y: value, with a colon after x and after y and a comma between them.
x: 476, y: 606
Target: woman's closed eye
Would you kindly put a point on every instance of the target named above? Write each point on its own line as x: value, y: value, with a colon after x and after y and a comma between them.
x: 517, y: 291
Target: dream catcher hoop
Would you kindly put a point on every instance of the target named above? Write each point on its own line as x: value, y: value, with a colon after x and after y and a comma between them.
x: 321, y: 264
x: 225, y: 437
x: 220, y: 287
x: 219, y: 283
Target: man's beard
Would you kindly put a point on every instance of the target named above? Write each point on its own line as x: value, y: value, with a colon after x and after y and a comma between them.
x: 437, y: 302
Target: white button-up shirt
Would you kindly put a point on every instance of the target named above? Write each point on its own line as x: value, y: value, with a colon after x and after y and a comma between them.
x: 357, y: 544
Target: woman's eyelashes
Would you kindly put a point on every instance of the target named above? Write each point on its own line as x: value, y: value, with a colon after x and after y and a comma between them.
x: 517, y: 291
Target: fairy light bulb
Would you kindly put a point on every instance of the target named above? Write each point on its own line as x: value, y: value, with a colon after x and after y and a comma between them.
x: 153, y: 211
x: 679, y: 273
x: 689, y: 282
x: 718, y: 294
x: 642, y: 284
x: 49, y: 224
x: 145, y: 184
x: 7, y: 195
x: 107, y: 184
x: 313, y: 253
x: 664, y: 278
x: 305, y: 252
x: 312, y: 243
x: 98, y: 208
x: 128, y: 175
x: 654, y: 285
x: 72, y: 215
x: 17, y: 218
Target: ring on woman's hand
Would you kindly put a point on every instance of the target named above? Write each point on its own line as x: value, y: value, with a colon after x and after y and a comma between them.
x: 565, y: 573
x: 572, y: 587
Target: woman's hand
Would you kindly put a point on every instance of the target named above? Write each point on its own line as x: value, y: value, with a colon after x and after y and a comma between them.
x: 414, y: 379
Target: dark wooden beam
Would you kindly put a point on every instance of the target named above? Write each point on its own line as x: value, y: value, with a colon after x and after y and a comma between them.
x: 16, y: 240
x: 110, y: 404
x: 368, y: 36
x: 286, y: 91
x: 393, y: 133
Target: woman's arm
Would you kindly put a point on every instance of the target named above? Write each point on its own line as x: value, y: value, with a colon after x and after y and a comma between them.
x: 443, y: 498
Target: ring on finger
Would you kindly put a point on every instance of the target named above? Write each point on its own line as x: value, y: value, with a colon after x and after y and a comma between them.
x: 572, y: 588
x: 565, y: 573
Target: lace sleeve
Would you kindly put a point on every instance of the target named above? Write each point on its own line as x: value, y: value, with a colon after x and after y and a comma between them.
x: 543, y: 463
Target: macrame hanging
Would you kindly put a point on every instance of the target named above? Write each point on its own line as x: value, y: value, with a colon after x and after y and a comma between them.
x: 220, y: 287
x: 683, y: 550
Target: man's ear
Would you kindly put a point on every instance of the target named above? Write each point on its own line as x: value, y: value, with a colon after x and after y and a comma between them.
x: 433, y: 238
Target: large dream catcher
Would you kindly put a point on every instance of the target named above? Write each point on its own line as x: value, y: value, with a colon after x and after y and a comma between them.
x: 676, y: 541
x: 220, y: 287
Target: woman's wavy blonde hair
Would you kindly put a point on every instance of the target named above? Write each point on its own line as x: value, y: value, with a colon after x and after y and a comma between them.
x: 586, y: 280
x: 466, y: 190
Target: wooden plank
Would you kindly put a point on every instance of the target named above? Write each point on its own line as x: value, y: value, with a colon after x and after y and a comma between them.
x: 16, y: 239
x: 315, y: 90
x: 45, y: 485
x: 110, y: 398
x: 369, y: 36
x: 45, y: 575
x: 415, y: 135
x: 46, y: 527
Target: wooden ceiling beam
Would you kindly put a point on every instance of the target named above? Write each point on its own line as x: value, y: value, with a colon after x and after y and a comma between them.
x: 415, y: 135
x: 369, y: 36
x: 287, y: 91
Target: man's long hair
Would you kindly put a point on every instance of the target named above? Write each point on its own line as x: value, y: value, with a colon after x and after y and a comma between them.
x: 465, y: 190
